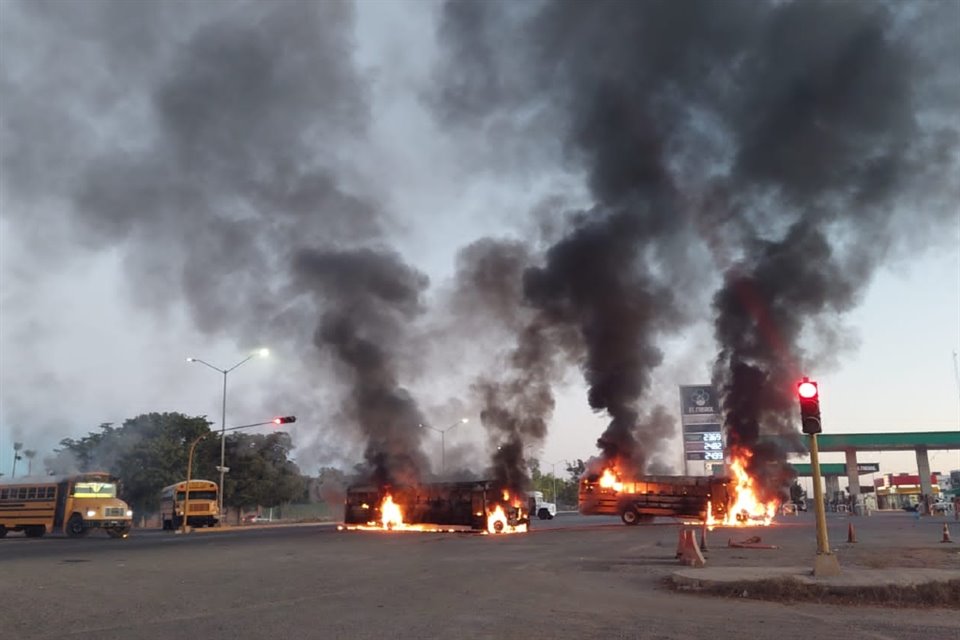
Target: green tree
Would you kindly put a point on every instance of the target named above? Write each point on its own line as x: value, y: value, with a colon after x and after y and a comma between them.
x: 261, y: 472
x: 146, y: 453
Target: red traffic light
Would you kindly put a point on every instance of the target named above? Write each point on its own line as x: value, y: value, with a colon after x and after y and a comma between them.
x: 807, y: 389
x: 285, y: 420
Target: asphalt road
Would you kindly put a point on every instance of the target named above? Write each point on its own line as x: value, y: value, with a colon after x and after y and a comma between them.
x: 572, y: 577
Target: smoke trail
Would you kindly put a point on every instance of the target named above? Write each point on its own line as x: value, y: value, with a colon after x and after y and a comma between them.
x: 208, y: 145
x: 843, y: 164
x: 370, y: 296
x: 516, y: 400
x: 786, y: 137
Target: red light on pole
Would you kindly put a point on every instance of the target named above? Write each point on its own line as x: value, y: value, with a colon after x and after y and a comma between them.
x: 284, y: 420
x: 809, y: 394
x: 807, y: 389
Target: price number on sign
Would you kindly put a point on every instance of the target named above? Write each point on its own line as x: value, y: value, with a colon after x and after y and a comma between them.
x: 713, y: 455
x: 713, y: 437
x: 713, y: 446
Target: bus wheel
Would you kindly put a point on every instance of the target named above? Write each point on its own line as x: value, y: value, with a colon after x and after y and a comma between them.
x: 630, y: 516
x: 3, y: 531
x: 35, y: 531
x: 75, y: 527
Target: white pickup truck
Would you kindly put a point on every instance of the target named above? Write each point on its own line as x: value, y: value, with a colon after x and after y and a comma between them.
x: 540, y: 508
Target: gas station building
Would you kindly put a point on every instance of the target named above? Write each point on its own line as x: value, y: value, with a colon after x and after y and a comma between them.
x: 922, y: 484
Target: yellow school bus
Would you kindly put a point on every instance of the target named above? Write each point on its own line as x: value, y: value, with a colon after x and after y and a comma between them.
x: 70, y: 504
x: 203, y: 509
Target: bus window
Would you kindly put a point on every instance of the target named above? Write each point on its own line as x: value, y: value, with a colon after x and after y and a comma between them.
x: 198, y: 495
x: 94, y: 490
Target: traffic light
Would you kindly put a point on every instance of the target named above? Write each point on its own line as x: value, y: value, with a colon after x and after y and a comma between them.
x: 285, y: 420
x: 809, y: 395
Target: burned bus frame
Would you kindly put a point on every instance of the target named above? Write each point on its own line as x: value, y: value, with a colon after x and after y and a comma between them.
x: 646, y: 497
x: 446, y: 504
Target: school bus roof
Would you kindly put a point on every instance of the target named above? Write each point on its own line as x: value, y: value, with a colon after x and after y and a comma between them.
x: 194, y: 484
x: 40, y: 480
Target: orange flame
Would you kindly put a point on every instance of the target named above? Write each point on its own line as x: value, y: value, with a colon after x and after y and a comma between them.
x: 497, y: 521
x: 747, y: 508
x: 391, y: 519
x: 609, y: 480
x: 391, y: 515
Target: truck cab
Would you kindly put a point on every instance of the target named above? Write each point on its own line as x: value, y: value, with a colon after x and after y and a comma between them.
x: 542, y: 509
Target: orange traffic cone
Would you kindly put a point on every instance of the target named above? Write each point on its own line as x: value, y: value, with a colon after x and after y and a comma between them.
x: 851, y: 534
x: 946, y: 534
x: 690, y: 553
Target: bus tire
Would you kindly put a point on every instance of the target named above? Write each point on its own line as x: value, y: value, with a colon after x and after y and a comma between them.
x: 75, y: 526
x: 35, y: 531
x: 630, y: 516
x: 3, y: 531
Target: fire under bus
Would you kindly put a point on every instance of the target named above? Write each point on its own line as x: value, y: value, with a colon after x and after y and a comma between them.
x: 476, y: 506
x: 707, y: 498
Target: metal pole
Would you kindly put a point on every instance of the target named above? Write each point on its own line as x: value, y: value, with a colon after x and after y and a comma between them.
x: 223, y: 449
x: 443, y: 452
x: 825, y: 563
x: 186, y: 490
x: 823, y: 545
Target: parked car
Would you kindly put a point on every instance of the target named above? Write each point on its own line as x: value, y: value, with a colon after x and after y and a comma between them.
x: 254, y: 518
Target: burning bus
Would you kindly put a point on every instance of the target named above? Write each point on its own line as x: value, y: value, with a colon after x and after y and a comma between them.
x: 641, y: 499
x: 732, y: 501
x: 442, y: 506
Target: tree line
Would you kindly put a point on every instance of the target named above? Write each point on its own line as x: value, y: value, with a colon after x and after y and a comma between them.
x: 150, y: 451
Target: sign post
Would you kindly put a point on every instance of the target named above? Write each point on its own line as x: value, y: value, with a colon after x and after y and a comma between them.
x: 701, y: 424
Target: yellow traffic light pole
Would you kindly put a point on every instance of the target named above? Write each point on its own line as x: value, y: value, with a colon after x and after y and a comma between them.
x: 193, y: 446
x: 825, y: 563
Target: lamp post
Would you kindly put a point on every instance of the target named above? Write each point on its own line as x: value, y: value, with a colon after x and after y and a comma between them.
x: 263, y: 353
x: 443, y: 444
x: 193, y: 446
x: 17, y: 446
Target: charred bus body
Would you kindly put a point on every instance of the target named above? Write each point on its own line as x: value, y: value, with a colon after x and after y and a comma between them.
x: 642, y: 499
x: 460, y: 505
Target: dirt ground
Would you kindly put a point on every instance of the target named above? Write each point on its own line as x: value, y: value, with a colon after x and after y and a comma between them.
x: 569, y: 580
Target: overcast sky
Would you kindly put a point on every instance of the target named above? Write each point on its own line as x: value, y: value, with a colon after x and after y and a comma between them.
x: 97, y: 316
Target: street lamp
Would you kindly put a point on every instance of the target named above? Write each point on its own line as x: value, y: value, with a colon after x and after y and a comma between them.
x: 263, y: 353
x: 193, y: 446
x: 443, y: 444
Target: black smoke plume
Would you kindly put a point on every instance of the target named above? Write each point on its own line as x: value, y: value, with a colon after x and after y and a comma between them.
x: 370, y: 296
x: 516, y: 400
x: 786, y: 138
